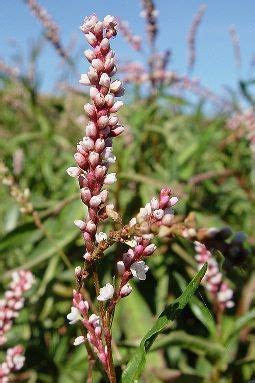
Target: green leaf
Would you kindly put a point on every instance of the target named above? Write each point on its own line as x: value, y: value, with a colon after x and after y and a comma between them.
x: 137, y: 363
x: 198, y: 345
x: 201, y: 312
x: 240, y: 324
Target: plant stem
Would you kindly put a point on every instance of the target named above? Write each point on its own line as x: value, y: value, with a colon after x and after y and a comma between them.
x: 108, y: 339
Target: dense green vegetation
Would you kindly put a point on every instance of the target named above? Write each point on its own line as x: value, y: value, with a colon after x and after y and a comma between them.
x: 171, y: 141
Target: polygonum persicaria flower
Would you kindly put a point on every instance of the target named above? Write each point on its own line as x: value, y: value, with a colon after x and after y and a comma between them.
x: 10, y: 305
x: 213, y: 279
x: 106, y: 292
x: 94, y: 153
x: 13, y: 300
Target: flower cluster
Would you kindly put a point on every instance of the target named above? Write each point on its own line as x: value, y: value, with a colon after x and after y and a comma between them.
x: 213, y: 279
x: 21, y: 196
x: 52, y: 30
x: 13, y: 301
x: 93, y: 158
x: 14, y: 361
x: 79, y: 312
x: 94, y: 153
x: 133, y: 40
x: 192, y: 36
x: 150, y: 13
x: 156, y: 213
x: 10, y: 306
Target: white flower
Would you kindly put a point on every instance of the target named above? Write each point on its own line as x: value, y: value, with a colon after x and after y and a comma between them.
x: 110, y: 179
x: 139, y: 270
x: 132, y: 222
x: 18, y: 361
x: 73, y: 171
x: 154, y: 203
x: 80, y: 224
x: 126, y: 290
x: 101, y: 236
x: 173, y: 201
x: 106, y: 292
x: 120, y: 267
x: 78, y: 271
x: 94, y: 319
x: 74, y: 316
x: 79, y: 340
x: 84, y: 79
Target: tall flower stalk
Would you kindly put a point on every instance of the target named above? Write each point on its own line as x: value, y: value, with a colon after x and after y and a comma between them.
x: 93, y: 158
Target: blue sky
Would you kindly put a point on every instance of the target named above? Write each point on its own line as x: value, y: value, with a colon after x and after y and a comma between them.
x: 215, y: 64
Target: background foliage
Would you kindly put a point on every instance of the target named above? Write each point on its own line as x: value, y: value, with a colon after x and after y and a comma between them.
x: 169, y: 140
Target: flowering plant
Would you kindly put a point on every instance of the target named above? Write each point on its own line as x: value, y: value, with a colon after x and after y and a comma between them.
x: 93, y: 158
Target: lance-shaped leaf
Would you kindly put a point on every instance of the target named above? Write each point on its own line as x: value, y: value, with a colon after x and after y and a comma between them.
x: 137, y: 363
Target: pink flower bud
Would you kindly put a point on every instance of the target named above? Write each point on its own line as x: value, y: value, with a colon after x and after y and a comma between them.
x: 138, y: 250
x: 113, y: 120
x: 99, y: 145
x: 93, y: 92
x: 125, y: 290
x: 98, y: 331
x: 95, y: 201
x: 85, y: 195
x: 109, y: 65
x: 91, y: 130
x: 109, y: 99
x: 83, y: 306
x: 91, y: 39
x: 99, y: 100
x: 93, y: 159
x: 110, y: 179
x: 120, y: 267
x: 128, y: 257
x: 105, y: 80
x: 92, y: 75
x: 94, y: 319
x: 173, y: 201
x: 89, y: 54
x: 120, y: 92
x: 103, y: 121
x: 117, y: 131
x: 100, y: 171
x: 88, y: 143
x: 91, y: 227
x: 149, y: 249
x: 105, y: 45
x: 116, y: 107
x: 90, y: 110
x: 98, y: 28
x: 78, y: 271
x: 80, y: 224
x: 89, y: 23
x: 84, y: 80
x: 87, y: 256
x: 80, y: 159
x: 81, y: 148
x: 104, y: 195
x: 115, y: 86
x: 73, y: 171
x: 158, y: 214
x: 167, y: 219
x: 154, y: 203
x: 97, y: 64
x: 109, y: 21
